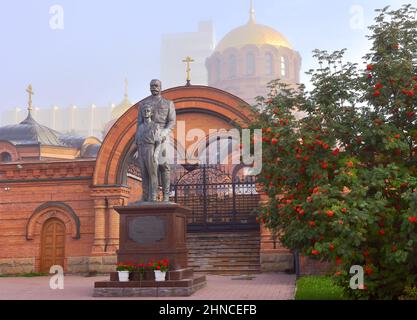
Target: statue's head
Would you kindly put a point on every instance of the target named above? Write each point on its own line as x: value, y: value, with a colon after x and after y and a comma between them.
x: 147, y: 111
x: 156, y: 87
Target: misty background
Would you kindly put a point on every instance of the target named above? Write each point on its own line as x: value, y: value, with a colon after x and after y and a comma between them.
x: 103, y: 42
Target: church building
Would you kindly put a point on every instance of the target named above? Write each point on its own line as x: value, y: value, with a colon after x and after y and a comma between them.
x: 251, y: 56
x: 58, y: 193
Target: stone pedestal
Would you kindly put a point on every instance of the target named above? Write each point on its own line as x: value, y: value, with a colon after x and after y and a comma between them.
x: 179, y: 283
x: 153, y: 231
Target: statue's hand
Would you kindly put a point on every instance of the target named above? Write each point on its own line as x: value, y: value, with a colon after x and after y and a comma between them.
x: 164, y: 134
x: 156, y: 153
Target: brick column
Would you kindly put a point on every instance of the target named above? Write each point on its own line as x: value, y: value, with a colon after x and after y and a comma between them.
x: 114, y: 224
x: 99, y: 226
x: 274, y: 257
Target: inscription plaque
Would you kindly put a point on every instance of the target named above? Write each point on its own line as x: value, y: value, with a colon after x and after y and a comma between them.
x: 147, y: 230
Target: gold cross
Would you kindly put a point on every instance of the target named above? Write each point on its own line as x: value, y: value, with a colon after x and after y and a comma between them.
x: 188, y: 60
x: 29, y: 90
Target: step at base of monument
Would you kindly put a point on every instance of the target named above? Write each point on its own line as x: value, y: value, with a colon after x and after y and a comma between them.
x: 224, y: 253
x: 150, y: 288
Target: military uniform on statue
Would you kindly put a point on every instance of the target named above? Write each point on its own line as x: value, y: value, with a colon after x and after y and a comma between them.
x: 152, y: 230
x: 164, y: 116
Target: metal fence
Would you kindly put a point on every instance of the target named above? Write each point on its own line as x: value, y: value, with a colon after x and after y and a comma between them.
x: 217, y: 200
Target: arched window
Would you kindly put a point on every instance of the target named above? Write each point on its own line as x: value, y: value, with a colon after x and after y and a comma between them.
x: 5, y: 157
x: 269, y: 64
x: 250, y: 64
x: 232, y: 66
x: 284, y: 72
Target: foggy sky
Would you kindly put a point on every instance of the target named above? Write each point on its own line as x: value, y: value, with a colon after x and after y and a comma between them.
x: 104, y: 41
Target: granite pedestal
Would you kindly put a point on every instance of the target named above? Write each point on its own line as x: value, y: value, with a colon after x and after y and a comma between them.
x: 152, y: 231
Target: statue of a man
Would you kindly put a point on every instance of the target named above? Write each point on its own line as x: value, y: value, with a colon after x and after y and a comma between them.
x: 164, y: 116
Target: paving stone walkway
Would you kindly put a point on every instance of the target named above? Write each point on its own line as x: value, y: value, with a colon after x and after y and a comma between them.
x: 267, y: 286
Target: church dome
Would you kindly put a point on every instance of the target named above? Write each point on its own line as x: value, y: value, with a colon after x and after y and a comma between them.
x: 30, y: 132
x: 252, y: 34
x: 121, y: 108
x: 249, y: 57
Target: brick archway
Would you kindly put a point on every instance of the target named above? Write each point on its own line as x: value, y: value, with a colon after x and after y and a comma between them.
x: 109, y: 188
x: 49, y: 210
x: 119, y: 139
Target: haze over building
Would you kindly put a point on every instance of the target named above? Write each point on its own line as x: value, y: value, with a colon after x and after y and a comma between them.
x: 176, y: 46
x: 242, y: 63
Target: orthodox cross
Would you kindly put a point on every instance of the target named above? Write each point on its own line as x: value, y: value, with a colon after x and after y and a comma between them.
x: 188, y: 60
x: 29, y: 90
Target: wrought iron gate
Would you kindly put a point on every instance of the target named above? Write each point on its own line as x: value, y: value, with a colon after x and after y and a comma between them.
x: 218, y: 201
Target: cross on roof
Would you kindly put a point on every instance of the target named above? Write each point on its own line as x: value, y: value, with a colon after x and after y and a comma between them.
x: 188, y: 60
x: 29, y: 90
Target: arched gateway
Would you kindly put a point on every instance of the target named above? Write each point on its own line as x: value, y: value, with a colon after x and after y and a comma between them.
x: 198, y: 106
x: 116, y: 180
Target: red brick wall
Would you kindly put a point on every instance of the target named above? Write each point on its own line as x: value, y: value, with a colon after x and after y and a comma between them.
x: 19, y: 200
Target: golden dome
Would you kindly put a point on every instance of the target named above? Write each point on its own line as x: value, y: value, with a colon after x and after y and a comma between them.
x: 252, y: 34
x: 121, y: 108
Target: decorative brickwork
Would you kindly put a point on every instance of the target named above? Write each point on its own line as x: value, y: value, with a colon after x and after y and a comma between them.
x: 82, y: 193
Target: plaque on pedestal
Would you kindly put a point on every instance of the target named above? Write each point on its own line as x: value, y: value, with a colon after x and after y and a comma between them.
x: 153, y: 231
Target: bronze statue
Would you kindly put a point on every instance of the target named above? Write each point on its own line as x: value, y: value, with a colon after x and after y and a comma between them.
x: 164, y: 119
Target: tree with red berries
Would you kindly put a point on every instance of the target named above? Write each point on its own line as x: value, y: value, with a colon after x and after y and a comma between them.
x: 342, y: 181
